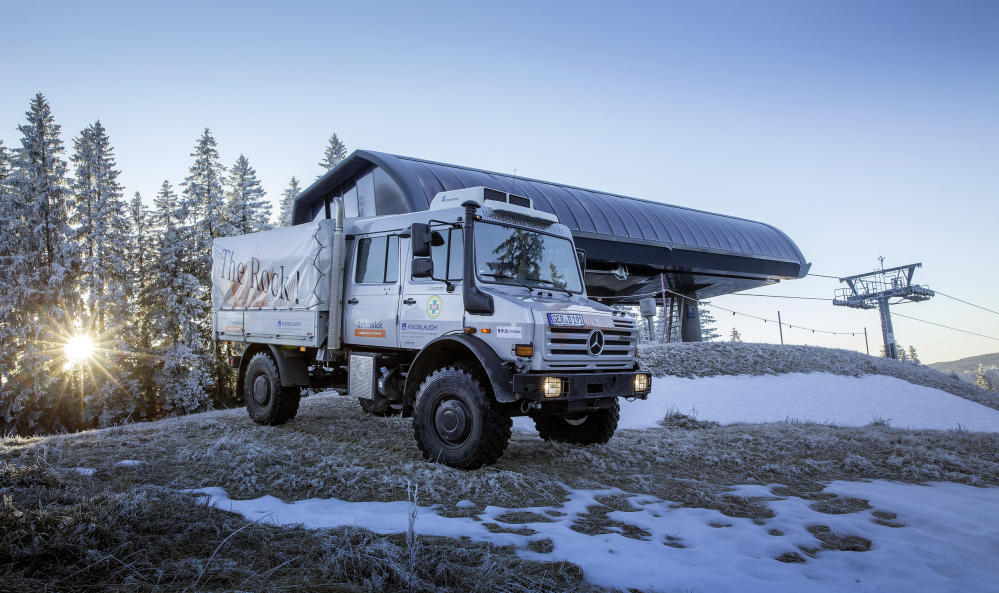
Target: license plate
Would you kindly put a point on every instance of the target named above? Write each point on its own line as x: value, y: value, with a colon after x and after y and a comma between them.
x: 565, y: 319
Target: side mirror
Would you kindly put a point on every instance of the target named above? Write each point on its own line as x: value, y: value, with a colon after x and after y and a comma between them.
x: 422, y: 267
x: 420, y: 233
x: 581, y: 256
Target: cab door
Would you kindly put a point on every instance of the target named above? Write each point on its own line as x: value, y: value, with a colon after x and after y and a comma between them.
x: 371, y: 307
x: 428, y: 309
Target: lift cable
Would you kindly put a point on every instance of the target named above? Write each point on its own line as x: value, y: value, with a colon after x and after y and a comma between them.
x: 963, y: 331
x: 966, y: 302
x: 766, y: 320
x: 780, y: 296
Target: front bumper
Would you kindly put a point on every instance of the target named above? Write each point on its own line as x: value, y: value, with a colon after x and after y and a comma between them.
x: 580, y: 391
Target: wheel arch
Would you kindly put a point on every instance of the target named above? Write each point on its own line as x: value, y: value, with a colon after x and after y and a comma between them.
x: 458, y: 348
x: 293, y: 371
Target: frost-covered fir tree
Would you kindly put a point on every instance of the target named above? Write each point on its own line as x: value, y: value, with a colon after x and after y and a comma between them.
x: 913, y: 357
x: 247, y: 208
x: 183, y: 376
x: 735, y: 336
x: 42, y: 274
x: 205, y: 214
x: 204, y: 201
x: 709, y: 329
x: 288, y: 202
x: 142, y: 251
x: 12, y: 328
x: 335, y: 152
x: 97, y: 212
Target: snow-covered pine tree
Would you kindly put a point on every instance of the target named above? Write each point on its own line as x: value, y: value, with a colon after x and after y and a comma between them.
x: 205, y: 214
x: 709, y: 329
x: 182, y: 377
x: 335, y: 152
x: 735, y: 336
x: 42, y: 273
x: 982, y: 378
x: 12, y: 327
x: 142, y: 248
x: 97, y: 212
x: 913, y: 357
x: 902, y: 356
x: 247, y: 208
x: 288, y: 201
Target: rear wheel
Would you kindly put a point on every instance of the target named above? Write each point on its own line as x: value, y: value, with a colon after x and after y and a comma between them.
x: 267, y: 402
x: 581, y: 429
x: 456, y: 422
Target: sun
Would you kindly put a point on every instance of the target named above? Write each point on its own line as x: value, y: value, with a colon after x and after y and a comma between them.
x: 78, y: 349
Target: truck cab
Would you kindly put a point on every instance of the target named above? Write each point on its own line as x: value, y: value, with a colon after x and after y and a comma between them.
x: 461, y: 316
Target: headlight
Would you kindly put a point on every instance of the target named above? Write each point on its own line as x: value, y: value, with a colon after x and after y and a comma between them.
x: 643, y: 383
x: 553, y: 386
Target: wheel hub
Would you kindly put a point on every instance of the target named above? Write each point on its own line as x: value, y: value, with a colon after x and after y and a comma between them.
x: 452, y: 421
x: 261, y: 390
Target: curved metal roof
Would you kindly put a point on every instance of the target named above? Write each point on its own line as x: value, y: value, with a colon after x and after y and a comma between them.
x: 588, y: 212
x: 713, y: 243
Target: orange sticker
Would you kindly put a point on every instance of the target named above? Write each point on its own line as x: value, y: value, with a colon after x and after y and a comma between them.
x: 369, y: 333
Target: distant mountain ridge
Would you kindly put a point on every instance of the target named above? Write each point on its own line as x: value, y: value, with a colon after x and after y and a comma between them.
x: 966, y: 368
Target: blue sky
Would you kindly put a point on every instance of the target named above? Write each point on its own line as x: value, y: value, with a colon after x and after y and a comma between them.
x: 859, y: 128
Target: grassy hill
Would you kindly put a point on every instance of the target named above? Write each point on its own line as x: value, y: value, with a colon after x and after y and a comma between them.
x: 130, y: 525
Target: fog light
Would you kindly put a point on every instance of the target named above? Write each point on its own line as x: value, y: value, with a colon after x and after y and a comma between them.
x: 643, y: 382
x: 525, y: 350
x: 553, y: 386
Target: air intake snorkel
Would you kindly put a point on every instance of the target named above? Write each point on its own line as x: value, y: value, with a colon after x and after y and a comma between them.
x: 476, y: 301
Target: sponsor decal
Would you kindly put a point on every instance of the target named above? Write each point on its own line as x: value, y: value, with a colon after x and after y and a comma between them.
x: 408, y: 326
x: 434, y: 307
x: 565, y: 319
x: 509, y: 331
x: 233, y: 329
x: 369, y: 333
x: 289, y: 324
x: 368, y: 324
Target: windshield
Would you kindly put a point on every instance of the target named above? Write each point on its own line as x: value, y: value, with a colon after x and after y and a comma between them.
x: 508, y: 255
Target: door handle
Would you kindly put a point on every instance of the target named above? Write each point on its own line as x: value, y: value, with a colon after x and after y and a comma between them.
x: 352, y: 301
x: 409, y: 302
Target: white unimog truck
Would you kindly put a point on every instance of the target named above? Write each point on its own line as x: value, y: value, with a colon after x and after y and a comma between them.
x: 461, y: 316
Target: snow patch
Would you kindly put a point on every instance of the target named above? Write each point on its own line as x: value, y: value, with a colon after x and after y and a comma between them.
x: 129, y: 463
x: 83, y: 471
x: 941, y: 539
x: 808, y: 397
x: 465, y: 504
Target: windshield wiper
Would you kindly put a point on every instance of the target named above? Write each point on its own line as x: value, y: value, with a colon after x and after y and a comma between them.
x: 516, y: 281
x: 547, y: 282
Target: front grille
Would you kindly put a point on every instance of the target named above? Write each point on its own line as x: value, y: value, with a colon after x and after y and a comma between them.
x: 566, y: 347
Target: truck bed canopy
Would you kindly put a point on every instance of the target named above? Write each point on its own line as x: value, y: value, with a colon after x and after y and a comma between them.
x: 628, y: 241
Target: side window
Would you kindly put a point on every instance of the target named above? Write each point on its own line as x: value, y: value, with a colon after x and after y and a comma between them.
x: 377, y: 260
x: 456, y: 255
x: 392, y: 260
x: 446, y: 255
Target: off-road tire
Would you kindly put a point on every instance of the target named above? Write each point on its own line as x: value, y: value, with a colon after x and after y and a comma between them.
x: 267, y: 402
x: 382, y: 409
x: 596, y: 427
x: 459, y: 392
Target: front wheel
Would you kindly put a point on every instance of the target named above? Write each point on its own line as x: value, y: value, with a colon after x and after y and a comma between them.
x: 581, y: 429
x: 456, y: 422
x: 267, y: 402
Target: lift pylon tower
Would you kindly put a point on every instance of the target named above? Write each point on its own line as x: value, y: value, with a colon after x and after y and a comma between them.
x: 874, y: 289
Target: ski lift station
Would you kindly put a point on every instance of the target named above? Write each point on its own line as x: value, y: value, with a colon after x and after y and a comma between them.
x: 633, y: 247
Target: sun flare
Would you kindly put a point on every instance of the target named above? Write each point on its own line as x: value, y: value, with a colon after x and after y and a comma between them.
x: 78, y: 349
